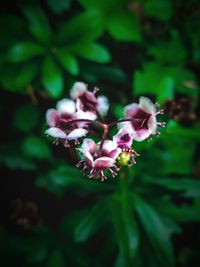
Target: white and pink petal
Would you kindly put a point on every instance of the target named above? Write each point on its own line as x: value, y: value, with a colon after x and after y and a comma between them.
x: 56, y: 132
x: 76, y: 133
x: 102, y: 105
x: 66, y: 106
x: 103, y: 163
x: 78, y: 89
x: 52, y: 117
x: 146, y: 105
x: 88, y: 145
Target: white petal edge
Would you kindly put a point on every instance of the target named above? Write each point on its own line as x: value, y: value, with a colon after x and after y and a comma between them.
x: 88, y: 145
x: 131, y: 109
x: 78, y: 89
x: 146, y: 105
x: 87, y: 155
x: 52, y: 117
x: 102, y: 105
x: 122, y: 132
x: 56, y: 132
x: 66, y: 106
x: 76, y: 133
x: 152, y: 124
x: 103, y: 163
x: 109, y: 145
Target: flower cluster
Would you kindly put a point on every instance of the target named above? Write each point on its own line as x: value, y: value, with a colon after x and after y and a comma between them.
x: 73, y: 118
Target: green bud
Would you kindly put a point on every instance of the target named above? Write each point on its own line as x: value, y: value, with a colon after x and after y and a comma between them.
x: 124, y: 158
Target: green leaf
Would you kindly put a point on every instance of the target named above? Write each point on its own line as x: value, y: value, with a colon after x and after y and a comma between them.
x: 17, y: 78
x: 52, y: 78
x: 180, y: 213
x: 68, y: 61
x: 124, y: 26
x: 157, y: 232
x: 21, y: 119
x: 87, y: 26
x: 59, y: 6
x: 91, y: 222
x: 124, y: 224
x: 94, y: 52
x: 35, y: 147
x: 165, y: 89
x: 153, y: 79
x: 56, y: 259
x: 166, y: 52
x: 66, y: 178
x: 38, y: 23
x: 159, y: 9
x: 24, y: 51
x: 187, y: 187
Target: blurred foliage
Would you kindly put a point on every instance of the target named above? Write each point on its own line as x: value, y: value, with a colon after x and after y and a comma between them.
x: 127, y: 48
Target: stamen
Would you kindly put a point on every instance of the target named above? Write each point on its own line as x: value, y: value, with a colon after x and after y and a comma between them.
x: 95, y: 90
x: 66, y: 144
x: 161, y: 111
x: 157, y: 134
x: 161, y: 124
x: 149, y: 138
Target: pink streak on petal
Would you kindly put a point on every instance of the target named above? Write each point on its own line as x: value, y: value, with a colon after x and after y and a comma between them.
x: 52, y: 117
x: 103, y: 163
x: 108, y: 146
x: 141, y: 134
x: 131, y: 110
x: 114, y: 153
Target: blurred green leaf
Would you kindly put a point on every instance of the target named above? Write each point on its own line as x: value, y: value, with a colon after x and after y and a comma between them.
x: 35, y: 147
x: 18, y: 77
x: 91, y: 222
x: 124, y: 223
x: 81, y: 28
x: 179, y: 213
x: 14, y: 160
x: 153, y: 79
x: 38, y: 23
x: 59, y: 6
x: 124, y: 26
x: 94, y: 52
x: 187, y: 187
x: 159, y: 9
x: 68, y: 61
x: 24, y: 51
x: 56, y: 259
x: 52, y: 78
x: 21, y: 119
x: 166, y: 52
x: 157, y: 232
x: 65, y: 178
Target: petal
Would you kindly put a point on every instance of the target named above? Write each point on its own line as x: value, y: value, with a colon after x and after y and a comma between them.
x: 146, y: 105
x: 152, y: 124
x: 115, y: 153
x: 78, y: 89
x: 56, y: 132
x: 126, y: 125
x: 108, y: 146
x: 89, y: 145
x: 87, y: 156
x: 141, y: 134
x: 76, y: 133
x: 102, y: 105
x: 131, y: 110
x: 52, y: 117
x: 66, y: 106
x: 103, y: 163
x: 79, y: 104
x: 124, y: 136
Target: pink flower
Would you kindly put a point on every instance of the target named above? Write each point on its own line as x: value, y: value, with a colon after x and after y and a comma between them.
x: 58, y: 119
x: 95, y: 160
x: 143, y: 122
x: 87, y: 101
